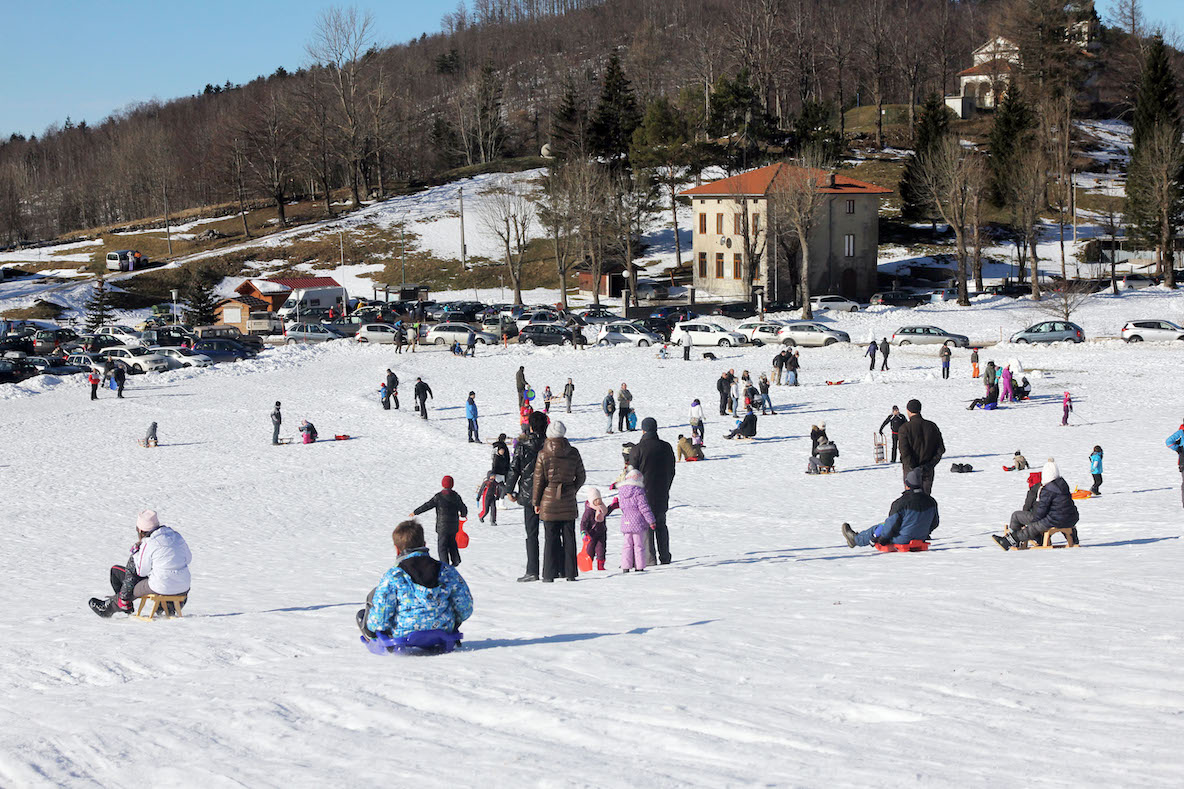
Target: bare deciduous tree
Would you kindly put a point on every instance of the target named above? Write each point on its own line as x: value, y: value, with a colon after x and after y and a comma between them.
x: 796, y: 198
x: 949, y: 176
x: 1064, y: 300
x: 1163, y: 167
x: 508, y: 212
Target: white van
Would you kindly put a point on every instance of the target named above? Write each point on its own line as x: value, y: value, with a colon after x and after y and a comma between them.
x: 303, y: 299
x: 126, y: 260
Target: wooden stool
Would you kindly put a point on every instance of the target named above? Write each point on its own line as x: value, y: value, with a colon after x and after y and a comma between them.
x: 1069, y: 541
x: 826, y: 470
x: 160, y: 604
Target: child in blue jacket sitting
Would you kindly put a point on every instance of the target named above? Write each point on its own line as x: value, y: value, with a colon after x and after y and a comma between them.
x: 417, y: 595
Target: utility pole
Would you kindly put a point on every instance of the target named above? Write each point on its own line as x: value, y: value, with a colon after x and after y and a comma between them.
x: 168, y: 232
x: 403, y: 248
x: 344, y: 295
x: 463, y: 258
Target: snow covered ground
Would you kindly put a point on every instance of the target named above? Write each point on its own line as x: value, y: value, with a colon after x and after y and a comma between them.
x: 767, y: 654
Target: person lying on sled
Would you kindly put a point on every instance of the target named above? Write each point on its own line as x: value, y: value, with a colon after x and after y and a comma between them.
x: 417, y: 595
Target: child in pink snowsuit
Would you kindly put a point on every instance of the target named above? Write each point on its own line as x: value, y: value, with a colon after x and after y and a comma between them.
x: 1005, y: 394
x: 636, y: 518
x: 1068, y: 406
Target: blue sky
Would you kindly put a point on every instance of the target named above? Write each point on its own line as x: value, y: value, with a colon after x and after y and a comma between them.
x: 88, y: 58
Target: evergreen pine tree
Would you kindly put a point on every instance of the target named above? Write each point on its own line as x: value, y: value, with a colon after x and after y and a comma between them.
x: 737, y: 115
x: 933, y: 124
x: 1010, y: 134
x: 98, y: 306
x: 616, y: 116
x: 199, y: 296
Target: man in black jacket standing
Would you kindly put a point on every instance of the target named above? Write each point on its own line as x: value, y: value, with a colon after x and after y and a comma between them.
x: 520, y: 488
x: 654, y: 458
x: 392, y: 387
x: 893, y: 420
x: 724, y: 385
x: 277, y: 419
x: 422, y: 393
x: 921, y: 445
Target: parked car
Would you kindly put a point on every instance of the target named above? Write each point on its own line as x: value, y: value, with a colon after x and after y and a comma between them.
x: 21, y: 343
x: 538, y: 316
x: 447, y: 333
x: 1012, y: 290
x: 811, y: 334
x: 899, y: 298
x: 376, y: 333
x: 376, y: 313
x: 659, y: 326
x: 928, y: 335
x: 737, y: 311
x: 462, y: 311
x: 87, y: 361
x: 545, y: 334
x: 626, y: 333
x: 596, y: 315
x: 1151, y: 330
x: 1050, y: 331
x: 675, y: 314
x: 97, y: 343
x: 1136, y: 282
x: 178, y: 358
x: 167, y: 337
x: 347, y: 326
x: 700, y: 332
x: 943, y: 294
x: 137, y: 358
x: 46, y: 340
x: 13, y: 371
x: 125, y: 334
x: 224, y: 332
x: 781, y: 306
x: 761, y: 332
x: 53, y: 365
x: 498, y: 324
x: 833, y: 303
x: 219, y: 350
x: 309, y: 332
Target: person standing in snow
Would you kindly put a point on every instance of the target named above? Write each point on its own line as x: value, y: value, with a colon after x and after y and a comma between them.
x: 766, y: 401
x: 697, y: 421
x: 548, y: 396
x: 569, y: 389
x: 471, y: 344
x: 450, y: 508
x: 1054, y: 510
x: 654, y: 458
x: 558, y: 475
x: 93, y: 380
x: 422, y: 393
x: 277, y: 419
x: 1067, y: 408
x: 1175, y: 442
x: 792, y: 365
x: 384, y: 396
x: 1005, y: 393
x: 1095, y: 470
x: 974, y: 363
x: 392, y: 387
x: 884, y: 349
x: 872, y: 350
x: 944, y: 354
x: 778, y: 366
x: 637, y: 521
x: 471, y: 415
x: 120, y: 378
x: 724, y: 386
x: 520, y: 487
x: 400, y: 337
x: 913, y: 516
x: 921, y: 445
x: 521, y: 385
x: 894, y: 421
x: 624, y: 407
x: 501, y: 461
x: 609, y: 406
x: 159, y: 564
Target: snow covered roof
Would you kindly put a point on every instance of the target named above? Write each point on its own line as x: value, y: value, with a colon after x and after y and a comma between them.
x: 269, y: 286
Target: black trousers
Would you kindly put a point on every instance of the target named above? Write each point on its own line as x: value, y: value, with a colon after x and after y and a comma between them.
x: 945, y: 370
x: 94, y: 391
x: 446, y: 549
x: 623, y: 418
x: 1097, y: 483
x: 723, y: 403
x: 895, y: 440
x: 386, y: 403
x: 423, y: 407
x: 473, y: 431
x: 124, y: 580
x: 657, y: 541
x: 559, y: 547
x: 884, y: 366
x: 531, y: 520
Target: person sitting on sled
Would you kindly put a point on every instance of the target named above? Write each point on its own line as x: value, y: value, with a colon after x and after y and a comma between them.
x: 417, y: 595
x: 1020, y: 464
x: 688, y: 449
x: 1054, y: 509
x: 1022, y: 390
x: 159, y: 564
x: 745, y: 428
x: 823, y: 457
x: 913, y: 516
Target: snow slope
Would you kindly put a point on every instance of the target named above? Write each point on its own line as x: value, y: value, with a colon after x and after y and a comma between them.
x: 768, y: 654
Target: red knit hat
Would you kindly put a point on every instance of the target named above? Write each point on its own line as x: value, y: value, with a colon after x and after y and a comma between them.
x: 1033, y: 479
x: 446, y: 483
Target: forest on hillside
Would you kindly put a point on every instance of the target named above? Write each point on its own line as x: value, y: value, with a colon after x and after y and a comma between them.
x: 749, y: 78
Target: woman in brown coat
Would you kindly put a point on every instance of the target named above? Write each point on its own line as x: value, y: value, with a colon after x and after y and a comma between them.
x: 558, y: 476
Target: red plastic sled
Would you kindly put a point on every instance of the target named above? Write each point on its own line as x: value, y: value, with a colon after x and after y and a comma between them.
x: 836, y: 383
x: 462, y: 539
x: 583, y: 559
x: 341, y: 438
x: 904, y: 547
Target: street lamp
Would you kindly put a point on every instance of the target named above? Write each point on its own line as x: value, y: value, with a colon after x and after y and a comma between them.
x: 174, y: 292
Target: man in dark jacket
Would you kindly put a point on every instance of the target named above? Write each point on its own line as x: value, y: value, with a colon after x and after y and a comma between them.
x: 1054, y: 510
x: 422, y: 393
x: 921, y: 445
x: 884, y: 350
x: 520, y: 385
x: 724, y: 385
x: 558, y: 475
x: 778, y: 367
x: 792, y: 365
x: 654, y: 458
x: 893, y: 421
x: 120, y: 378
x: 450, y: 508
x: 520, y: 487
x: 277, y: 419
x: 392, y: 387
x: 913, y: 516
x: 624, y: 408
x: 746, y: 428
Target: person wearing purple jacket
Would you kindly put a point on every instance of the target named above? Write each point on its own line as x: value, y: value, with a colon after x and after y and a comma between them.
x: 636, y: 520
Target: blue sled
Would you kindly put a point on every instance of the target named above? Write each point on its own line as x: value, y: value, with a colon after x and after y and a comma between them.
x: 425, y: 641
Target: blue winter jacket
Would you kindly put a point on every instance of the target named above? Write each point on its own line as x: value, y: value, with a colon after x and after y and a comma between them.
x: 470, y: 409
x: 419, y: 593
x: 1095, y: 463
x: 912, y: 517
x: 1175, y: 443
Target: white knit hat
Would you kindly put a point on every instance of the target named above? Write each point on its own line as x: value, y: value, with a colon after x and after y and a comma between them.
x: 147, y: 521
x: 1050, y: 472
x: 556, y: 430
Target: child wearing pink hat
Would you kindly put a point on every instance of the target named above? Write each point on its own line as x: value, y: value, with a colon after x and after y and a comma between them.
x: 159, y: 564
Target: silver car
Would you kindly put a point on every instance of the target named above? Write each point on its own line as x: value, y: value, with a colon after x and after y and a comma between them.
x: 810, y: 334
x: 761, y: 332
x: 309, y: 332
x: 1152, y: 331
x: 626, y: 333
x: 1050, y: 331
x: 182, y: 357
x: 448, y: 333
x: 928, y: 335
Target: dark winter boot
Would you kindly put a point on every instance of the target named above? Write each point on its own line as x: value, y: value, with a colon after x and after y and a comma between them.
x: 1002, y: 541
x: 527, y: 578
x: 104, y: 607
x: 849, y: 535
x: 600, y: 564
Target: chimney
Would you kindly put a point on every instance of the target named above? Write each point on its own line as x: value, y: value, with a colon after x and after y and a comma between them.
x: 830, y: 180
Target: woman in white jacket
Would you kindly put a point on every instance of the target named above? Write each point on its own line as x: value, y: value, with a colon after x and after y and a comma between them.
x: 159, y: 564
x: 698, y: 423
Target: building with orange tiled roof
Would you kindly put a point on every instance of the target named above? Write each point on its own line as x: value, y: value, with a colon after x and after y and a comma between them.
x: 731, y: 223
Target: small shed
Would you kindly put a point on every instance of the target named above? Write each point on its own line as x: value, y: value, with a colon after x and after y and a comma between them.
x: 236, y: 311
x: 271, y: 292
x: 612, y: 278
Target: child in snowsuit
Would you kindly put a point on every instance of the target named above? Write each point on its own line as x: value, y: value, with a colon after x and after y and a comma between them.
x: 501, y: 459
x: 418, y: 594
x: 1067, y: 405
x: 385, y: 396
x: 547, y: 398
x: 636, y: 517
x: 308, y: 431
x: 1021, y: 463
x: 974, y: 363
x: 1005, y: 393
x: 450, y: 508
x: 1095, y: 469
x: 594, y: 526
x: 487, y: 496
